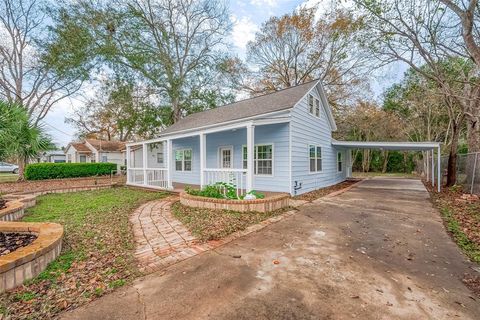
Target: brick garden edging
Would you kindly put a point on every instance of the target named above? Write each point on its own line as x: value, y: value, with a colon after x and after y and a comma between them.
x: 27, y: 262
x: 260, y: 205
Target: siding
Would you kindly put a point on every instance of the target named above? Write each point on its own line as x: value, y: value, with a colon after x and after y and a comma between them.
x: 188, y: 177
x: 308, y: 129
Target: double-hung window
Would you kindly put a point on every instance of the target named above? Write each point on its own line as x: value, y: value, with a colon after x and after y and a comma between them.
x: 339, y: 162
x: 314, y: 105
x: 262, y: 159
x: 315, y: 158
x: 183, y: 160
x: 160, y: 158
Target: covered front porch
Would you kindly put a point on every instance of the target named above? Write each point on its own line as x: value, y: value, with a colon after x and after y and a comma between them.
x: 251, y: 155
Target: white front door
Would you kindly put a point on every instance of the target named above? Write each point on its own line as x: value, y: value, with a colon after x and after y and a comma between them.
x: 226, y: 157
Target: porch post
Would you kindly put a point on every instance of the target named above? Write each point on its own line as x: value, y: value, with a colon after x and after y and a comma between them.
x: 202, y: 159
x: 127, y: 154
x: 144, y: 149
x: 250, y: 157
x: 168, y: 157
x: 439, y: 175
x: 433, y: 169
x: 428, y: 164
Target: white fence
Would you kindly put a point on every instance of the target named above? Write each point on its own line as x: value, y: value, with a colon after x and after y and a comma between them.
x: 135, y: 175
x: 157, y: 177
x: 235, y: 177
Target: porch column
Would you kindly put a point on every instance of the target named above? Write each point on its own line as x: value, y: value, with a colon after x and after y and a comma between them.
x: 203, y: 141
x: 428, y: 164
x: 127, y: 154
x: 250, y: 157
x: 144, y: 149
x: 439, y: 175
x: 433, y: 169
x: 169, y: 161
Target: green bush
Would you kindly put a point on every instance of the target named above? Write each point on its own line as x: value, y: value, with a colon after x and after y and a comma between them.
x: 221, y: 190
x: 41, y: 171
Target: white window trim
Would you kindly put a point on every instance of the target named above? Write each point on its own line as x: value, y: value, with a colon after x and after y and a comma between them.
x: 219, y: 157
x: 314, y: 106
x: 342, y: 161
x: 308, y: 156
x: 163, y: 158
x: 183, y: 160
x: 273, y: 159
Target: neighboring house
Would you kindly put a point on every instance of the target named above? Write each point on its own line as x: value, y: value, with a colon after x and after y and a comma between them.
x: 278, y: 142
x: 93, y: 150
x: 53, y: 156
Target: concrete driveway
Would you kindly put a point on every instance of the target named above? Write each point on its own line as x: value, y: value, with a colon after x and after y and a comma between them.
x: 377, y: 251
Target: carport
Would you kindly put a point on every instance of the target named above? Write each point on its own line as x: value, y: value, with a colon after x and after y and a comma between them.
x: 428, y: 147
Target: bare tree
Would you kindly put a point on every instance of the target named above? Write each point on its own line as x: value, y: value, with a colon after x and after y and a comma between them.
x: 25, y: 78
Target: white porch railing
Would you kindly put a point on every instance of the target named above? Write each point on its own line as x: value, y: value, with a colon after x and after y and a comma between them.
x: 135, y: 175
x: 236, y: 177
x: 157, y: 177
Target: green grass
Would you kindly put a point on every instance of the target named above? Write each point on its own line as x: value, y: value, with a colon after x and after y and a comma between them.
x: 8, y: 177
x: 470, y: 248
x: 97, y: 253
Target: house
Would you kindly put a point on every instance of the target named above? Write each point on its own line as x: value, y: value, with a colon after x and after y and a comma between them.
x: 93, y: 150
x: 277, y: 142
x: 53, y: 156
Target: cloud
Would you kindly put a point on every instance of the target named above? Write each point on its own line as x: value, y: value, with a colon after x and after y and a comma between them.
x: 243, y: 31
x: 263, y: 3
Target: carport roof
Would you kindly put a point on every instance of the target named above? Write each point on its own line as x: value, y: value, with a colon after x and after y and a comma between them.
x: 387, y: 145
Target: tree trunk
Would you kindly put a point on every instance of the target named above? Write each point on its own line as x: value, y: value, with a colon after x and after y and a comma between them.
x: 473, y: 134
x: 452, y: 157
x: 177, y: 112
x: 21, y: 169
x: 385, y: 161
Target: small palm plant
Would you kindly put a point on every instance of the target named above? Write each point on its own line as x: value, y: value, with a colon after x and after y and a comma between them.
x: 20, y: 139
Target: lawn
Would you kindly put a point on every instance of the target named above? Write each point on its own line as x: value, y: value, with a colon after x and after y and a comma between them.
x: 8, y: 177
x: 97, y: 254
x: 207, y: 224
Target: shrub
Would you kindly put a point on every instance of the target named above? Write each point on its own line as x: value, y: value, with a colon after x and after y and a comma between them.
x: 41, y: 171
x: 221, y: 190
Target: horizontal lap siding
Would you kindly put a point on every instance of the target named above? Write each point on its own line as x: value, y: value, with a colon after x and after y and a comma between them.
x: 308, y: 129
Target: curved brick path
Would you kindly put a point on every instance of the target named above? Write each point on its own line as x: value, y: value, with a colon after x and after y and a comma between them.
x: 161, y: 240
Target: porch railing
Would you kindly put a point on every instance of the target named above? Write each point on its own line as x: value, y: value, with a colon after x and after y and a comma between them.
x: 236, y: 177
x: 157, y: 177
x: 135, y: 175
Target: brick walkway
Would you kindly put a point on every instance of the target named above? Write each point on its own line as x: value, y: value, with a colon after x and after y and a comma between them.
x: 161, y: 240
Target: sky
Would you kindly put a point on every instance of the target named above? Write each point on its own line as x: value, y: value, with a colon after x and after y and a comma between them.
x: 247, y: 17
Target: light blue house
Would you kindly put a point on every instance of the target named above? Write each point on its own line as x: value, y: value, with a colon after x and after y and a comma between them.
x: 278, y: 142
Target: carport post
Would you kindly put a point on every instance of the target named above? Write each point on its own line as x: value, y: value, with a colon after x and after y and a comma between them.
x: 438, y: 169
x: 427, y: 164
x: 433, y: 169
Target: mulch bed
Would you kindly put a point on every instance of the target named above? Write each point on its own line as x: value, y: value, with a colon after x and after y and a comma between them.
x: 42, y: 185
x: 313, y: 195
x: 461, y: 217
x: 208, y: 224
x: 3, y: 203
x: 11, y: 241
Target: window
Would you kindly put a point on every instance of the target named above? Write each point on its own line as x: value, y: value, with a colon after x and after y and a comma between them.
x: 315, y: 158
x: 314, y: 105
x: 339, y: 162
x: 160, y: 157
x: 262, y: 159
x: 183, y: 160
x: 92, y: 161
x: 104, y: 158
x: 69, y: 158
x: 83, y: 158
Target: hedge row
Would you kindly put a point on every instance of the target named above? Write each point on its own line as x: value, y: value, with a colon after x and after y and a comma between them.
x: 41, y: 171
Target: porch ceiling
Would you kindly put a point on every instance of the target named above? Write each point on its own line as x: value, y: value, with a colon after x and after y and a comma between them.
x: 387, y: 145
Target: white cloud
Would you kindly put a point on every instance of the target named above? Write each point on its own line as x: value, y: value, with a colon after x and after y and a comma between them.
x: 263, y: 3
x: 243, y: 31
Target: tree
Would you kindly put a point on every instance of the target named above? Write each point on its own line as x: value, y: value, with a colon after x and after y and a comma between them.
x: 26, y: 76
x: 174, y: 46
x: 120, y: 111
x: 19, y: 137
x: 422, y: 33
x: 297, y: 48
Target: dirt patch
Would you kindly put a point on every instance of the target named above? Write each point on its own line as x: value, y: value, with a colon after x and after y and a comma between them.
x: 313, y: 195
x: 42, y: 185
x: 207, y: 224
x: 12, y: 241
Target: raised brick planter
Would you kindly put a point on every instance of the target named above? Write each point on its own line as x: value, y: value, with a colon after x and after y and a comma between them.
x: 13, y: 211
x: 260, y: 205
x: 27, y: 262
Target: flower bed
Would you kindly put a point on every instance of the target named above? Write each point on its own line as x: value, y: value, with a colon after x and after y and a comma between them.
x: 27, y: 262
x: 259, y: 205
